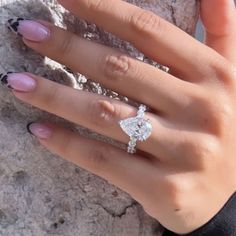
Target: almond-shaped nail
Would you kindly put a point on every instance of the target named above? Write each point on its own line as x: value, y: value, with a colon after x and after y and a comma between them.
x: 18, y: 81
x: 3, y: 79
x: 39, y: 130
x: 28, y: 29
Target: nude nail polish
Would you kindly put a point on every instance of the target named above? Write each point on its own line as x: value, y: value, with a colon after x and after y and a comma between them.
x: 28, y: 29
x: 39, y: 130
x: 18, y: 81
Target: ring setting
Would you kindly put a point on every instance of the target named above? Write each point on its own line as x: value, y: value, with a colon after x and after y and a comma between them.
x: 138, y: 128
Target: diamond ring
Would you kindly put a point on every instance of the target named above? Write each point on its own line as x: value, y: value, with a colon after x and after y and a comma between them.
x: 137, y: 128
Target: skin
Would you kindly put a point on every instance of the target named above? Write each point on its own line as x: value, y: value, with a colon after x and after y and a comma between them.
x: 189, y: 161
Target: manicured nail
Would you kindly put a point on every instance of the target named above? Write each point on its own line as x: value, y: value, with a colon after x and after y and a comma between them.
x: 3, y: 79
x: 19, y: 82
x: 28, y: 29
x: 39, y: 130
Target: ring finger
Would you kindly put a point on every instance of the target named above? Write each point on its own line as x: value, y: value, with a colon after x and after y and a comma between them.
x: 93, y: 111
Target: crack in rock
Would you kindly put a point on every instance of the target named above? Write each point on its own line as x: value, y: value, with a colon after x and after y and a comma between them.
x: 122, y: 213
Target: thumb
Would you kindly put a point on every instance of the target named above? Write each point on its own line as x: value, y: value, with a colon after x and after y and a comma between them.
x: 219, y: 19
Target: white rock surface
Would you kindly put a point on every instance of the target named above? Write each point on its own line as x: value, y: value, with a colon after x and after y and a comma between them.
x: 41, y: 194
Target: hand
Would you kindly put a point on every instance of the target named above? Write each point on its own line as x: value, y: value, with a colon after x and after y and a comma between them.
x: 185, y: 171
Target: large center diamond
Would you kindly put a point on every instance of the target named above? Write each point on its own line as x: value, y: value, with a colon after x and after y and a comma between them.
x: 137, y: 127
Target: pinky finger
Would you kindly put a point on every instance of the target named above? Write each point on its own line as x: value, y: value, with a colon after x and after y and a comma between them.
x: 115, y: 165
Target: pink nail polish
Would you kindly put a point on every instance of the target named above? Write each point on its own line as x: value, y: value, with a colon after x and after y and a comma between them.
x: 21, y: 82
x: 32, y: 30
x: 39, y: 130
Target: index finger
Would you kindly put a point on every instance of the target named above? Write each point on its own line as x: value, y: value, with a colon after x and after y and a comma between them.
x: 154, y: 36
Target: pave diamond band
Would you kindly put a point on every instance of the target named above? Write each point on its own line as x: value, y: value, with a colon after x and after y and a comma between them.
x: 137, y: 128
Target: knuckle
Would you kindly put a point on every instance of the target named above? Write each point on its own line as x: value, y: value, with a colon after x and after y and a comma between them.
x: 228, y: 73
x: 219, y: 115
x: 181, y: 187
x: 144, y: 21
x: 116, y: 66
x: 177, y: 190
x: 98, y: 158
x: 94, y: 5
x: 214, y: 111
x: 67, y: 146
x: 201, y: 149
x: 51, y: 96
x: 103, y: 113
x: 224, y: 72
x: 67, y: 44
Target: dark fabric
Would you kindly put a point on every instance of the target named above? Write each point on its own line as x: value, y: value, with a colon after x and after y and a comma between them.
x: 223, y: 224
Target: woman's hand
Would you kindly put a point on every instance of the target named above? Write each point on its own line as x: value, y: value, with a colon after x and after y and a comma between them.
x: 185, y: 172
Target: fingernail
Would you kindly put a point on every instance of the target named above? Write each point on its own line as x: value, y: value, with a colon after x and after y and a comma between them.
x: 3, y: 79
x: 28, y: 29
x: 19, y: 82
x: 39, y: 130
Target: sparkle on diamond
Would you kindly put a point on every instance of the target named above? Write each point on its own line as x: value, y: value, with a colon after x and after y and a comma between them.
x: 137, y: 127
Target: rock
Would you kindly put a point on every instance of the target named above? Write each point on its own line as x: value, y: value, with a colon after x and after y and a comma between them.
x: 41, y: 194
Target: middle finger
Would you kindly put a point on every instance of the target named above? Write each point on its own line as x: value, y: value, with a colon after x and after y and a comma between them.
x: 110, y: 67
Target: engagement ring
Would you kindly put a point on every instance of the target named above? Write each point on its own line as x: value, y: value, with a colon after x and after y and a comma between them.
x: 137, y: 128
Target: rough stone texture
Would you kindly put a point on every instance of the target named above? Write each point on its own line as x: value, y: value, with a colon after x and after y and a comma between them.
x: 41, y: 194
